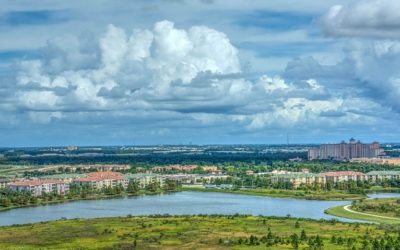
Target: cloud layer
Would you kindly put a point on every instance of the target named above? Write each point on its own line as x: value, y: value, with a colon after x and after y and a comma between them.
x: 203, y: 80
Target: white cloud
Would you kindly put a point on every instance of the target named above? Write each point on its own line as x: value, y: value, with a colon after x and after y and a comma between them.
x: 372, y: 18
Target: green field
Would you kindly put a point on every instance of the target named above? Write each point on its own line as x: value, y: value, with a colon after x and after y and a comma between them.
x: 300, y: 194
x: 193, y: 232
x: 342, y: 212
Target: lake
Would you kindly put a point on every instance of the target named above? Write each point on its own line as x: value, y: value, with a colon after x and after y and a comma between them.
x: 181, y: 203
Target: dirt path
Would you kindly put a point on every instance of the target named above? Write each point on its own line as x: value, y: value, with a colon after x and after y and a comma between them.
x: 347, y: 208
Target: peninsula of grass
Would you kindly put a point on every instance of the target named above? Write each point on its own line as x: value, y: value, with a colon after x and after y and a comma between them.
x: 196, y: 232
x: 347, y: 212
x: 284, y: 193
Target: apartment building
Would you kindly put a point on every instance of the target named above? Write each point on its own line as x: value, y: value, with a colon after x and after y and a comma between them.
x: 98, y: 180
x: 196, y: 178
x: 376, y: 176
x: 67, y: 178
x: 345, y: 151
x: 40, y: 187
x: 341, y: 176
x: 297, y: 179
x: 4, y: 182
x: 145, y: 179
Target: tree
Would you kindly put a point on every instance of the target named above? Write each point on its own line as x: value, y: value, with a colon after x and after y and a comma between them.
x: 5, y: 202
x: 294, y: 240
x: 133, y: 187
x: 303, y: 235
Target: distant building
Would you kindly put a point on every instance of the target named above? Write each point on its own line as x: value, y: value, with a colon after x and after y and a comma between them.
x: 4, y: 182
x: 249, y: 172
x: 143, y: 180
x: 178, y: 168
x: 341, y: 176
x: 196, y: 178
x: 98, y: 180
x: 297, y: 179
x: 40, y: 187
x: 345, y: 151
x: 375, y: 176
x: 67, y: 178
x: 72, y: 148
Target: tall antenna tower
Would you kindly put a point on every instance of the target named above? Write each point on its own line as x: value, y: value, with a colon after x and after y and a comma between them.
x: 287, y: 140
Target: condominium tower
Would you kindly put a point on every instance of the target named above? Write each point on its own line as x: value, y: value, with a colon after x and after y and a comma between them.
x: 345, y: 151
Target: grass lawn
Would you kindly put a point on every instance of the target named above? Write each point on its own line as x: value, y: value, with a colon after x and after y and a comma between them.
x: 389, y: 207
x: 188, y: 232
x: 342, y: 212
x: 301, y: 194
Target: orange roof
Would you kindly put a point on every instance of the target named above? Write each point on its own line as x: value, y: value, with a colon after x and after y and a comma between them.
x: 36, y: 182
x: 99, y: 176
x: 342, y: 173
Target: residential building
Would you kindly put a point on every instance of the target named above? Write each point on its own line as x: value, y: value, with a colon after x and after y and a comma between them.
x: 196, y: 178
x: 249, y: 172
x: 375, y: 176
x: 4, y: 182
x: 143, y: 179
x: 297, y: 179
x: 345, y: 151
x: 98, y: 180
x: 67, y: 178
x: 178, y: 168
x: 40, y: 187
x: 341, y: 176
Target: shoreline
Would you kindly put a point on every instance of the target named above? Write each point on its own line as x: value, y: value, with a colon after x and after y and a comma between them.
x: 346, y: 212
x: 279, y: 193
x: 66, y: 200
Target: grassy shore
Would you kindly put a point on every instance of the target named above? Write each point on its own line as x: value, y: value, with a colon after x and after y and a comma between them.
x: 187, y: 232
x: 300, y: 194
x: 341, y: 211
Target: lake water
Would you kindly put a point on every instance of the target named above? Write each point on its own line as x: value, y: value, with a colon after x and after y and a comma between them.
x: 182, y: 203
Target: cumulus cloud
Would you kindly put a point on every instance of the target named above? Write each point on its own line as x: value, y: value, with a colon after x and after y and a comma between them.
x: 166, y: 78
x: 370, y: 18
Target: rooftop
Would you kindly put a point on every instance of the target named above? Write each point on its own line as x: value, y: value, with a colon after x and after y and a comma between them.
x: 35, y: 182
x: 342, y: 173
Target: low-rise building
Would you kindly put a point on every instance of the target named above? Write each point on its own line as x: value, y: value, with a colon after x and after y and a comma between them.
x: 297, y: 179
x: 67, y: 178
x: 40, y: 187
x: 98, y: 180
x: 143, y: 180
x: 196, y: 178
x: 249, y: 172
x: 4, y: 182
x: 341, y: 176
x: 375, y: 176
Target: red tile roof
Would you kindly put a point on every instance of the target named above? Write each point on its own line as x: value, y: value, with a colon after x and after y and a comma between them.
x: 99, y: 176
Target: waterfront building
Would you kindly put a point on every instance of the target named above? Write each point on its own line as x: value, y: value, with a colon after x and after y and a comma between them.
x: 345, y: 151
x: 98, y: 180
x: 143, y: 180
x: 4, y: 182
x: 297, y: 179
x: 375, y: 176
x: 196, y: 178
x: 341, y: 176
x: 40, y: 187
x: 67, y: 178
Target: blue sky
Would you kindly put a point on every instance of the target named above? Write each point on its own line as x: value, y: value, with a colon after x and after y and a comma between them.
x: 202, y: 72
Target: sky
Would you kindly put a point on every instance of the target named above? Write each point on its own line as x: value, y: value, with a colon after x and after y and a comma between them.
x: 136, y: 72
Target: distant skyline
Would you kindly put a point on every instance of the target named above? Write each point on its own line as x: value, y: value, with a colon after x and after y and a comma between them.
x: 201, y: 72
